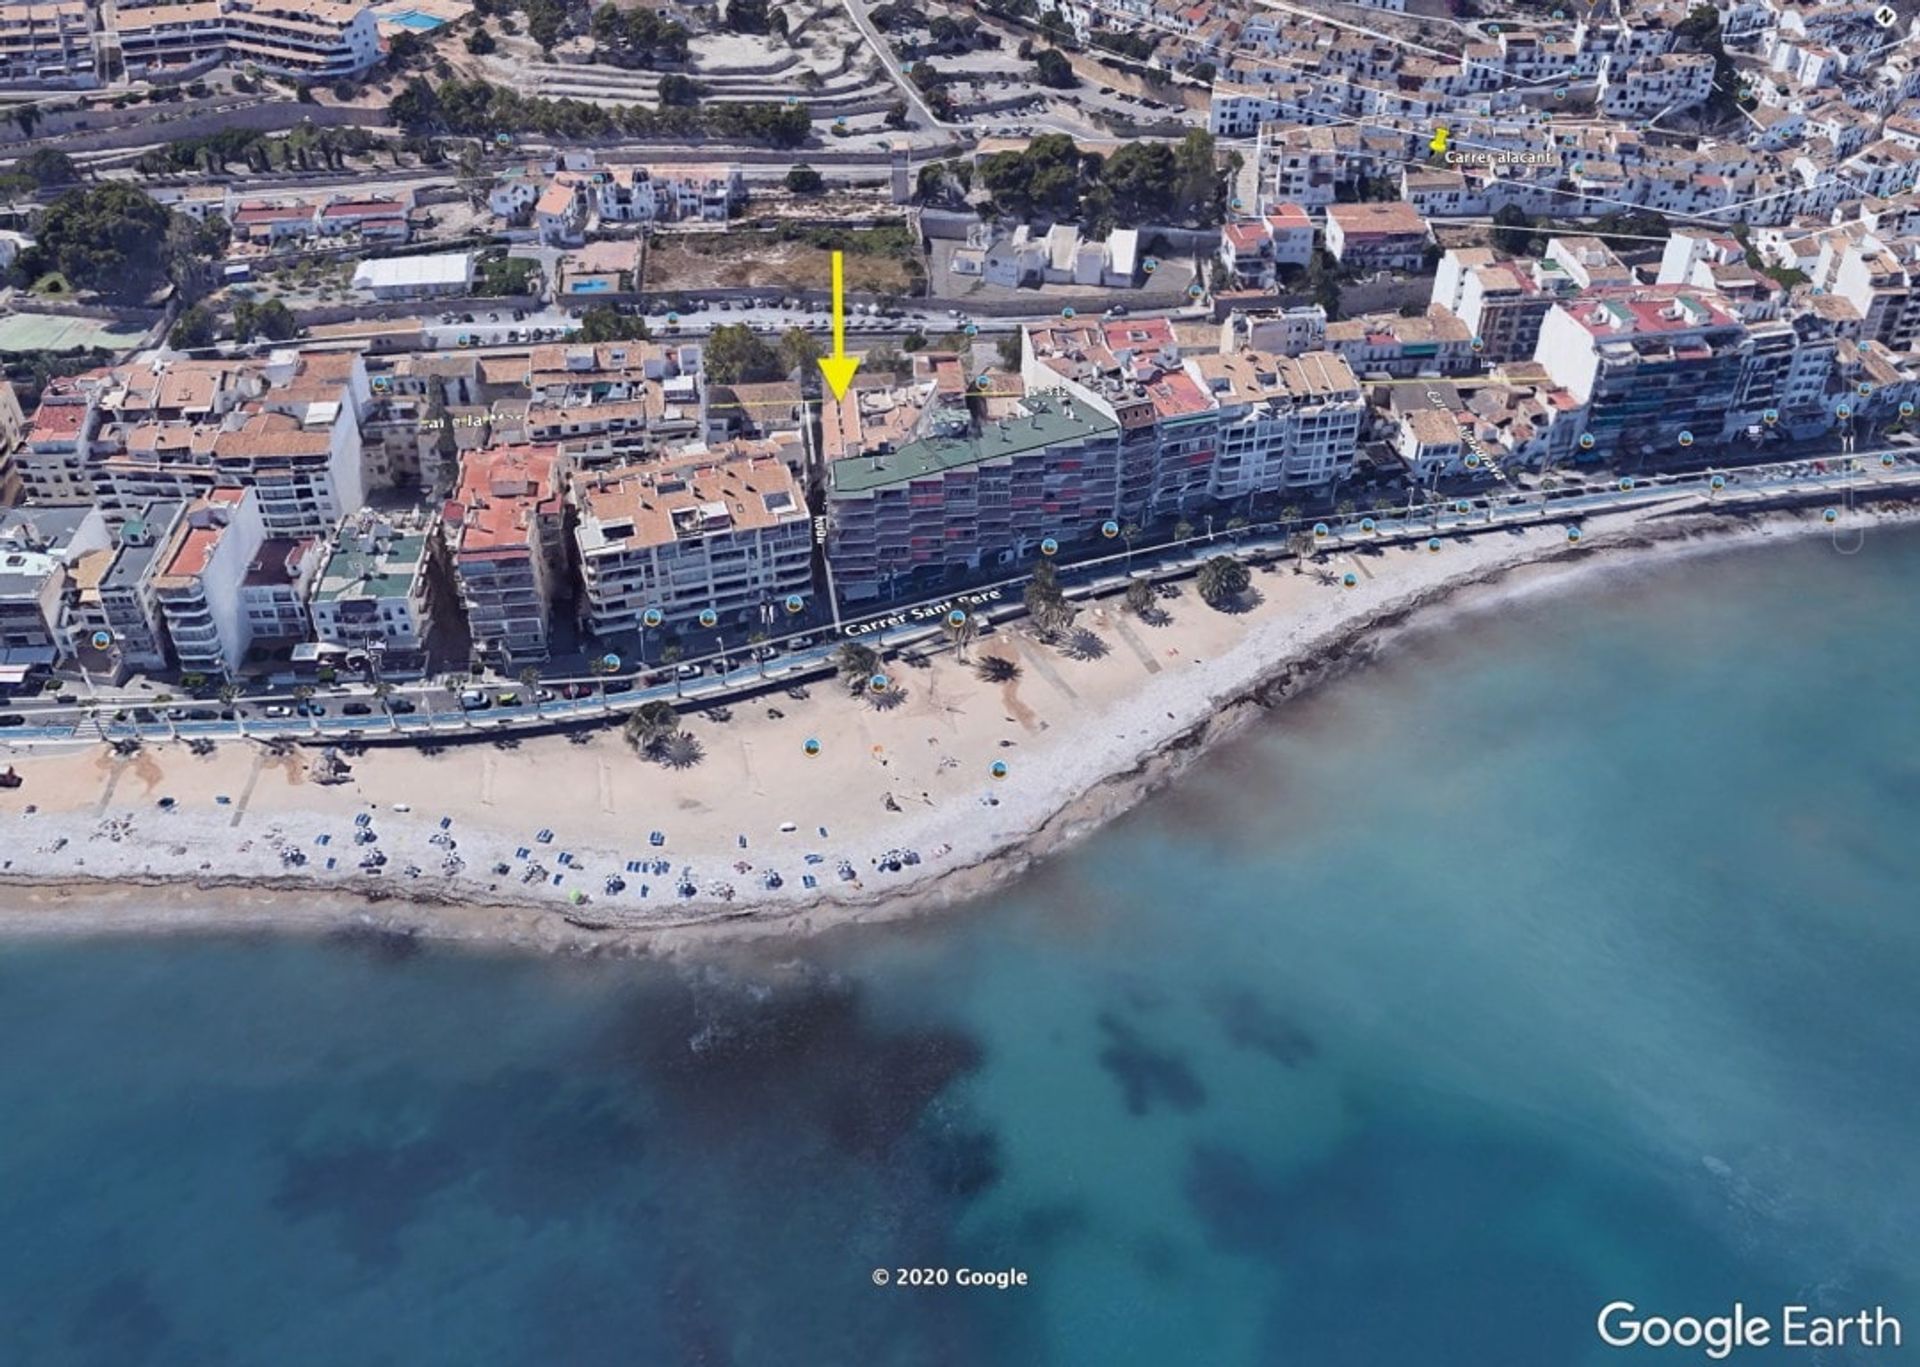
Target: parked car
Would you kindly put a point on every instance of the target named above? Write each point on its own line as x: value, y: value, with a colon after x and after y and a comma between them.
x: 400, y: 706
x: 474, y: 700
x: 357, y: 709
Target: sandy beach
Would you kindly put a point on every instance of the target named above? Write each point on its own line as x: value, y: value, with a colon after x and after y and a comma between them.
x: 891, y: 809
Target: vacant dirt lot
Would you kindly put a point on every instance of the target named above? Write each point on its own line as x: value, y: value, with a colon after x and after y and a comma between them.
x: 752, y: 261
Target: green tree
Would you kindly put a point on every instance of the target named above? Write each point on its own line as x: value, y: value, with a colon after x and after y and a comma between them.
x: 799, y: 350
x: 802, y: 179
x: 480, y: 42
x: 1139, y: 597
x: 47, y: 166
x: 650, y: 724
x: 748, y: 16
x: 1222, y: 580
x: 676, y: 89
x: 856, y: 664
x: 1513, y: 231
x: 272, y: 320
x: 735, y: 354
x: 1052, y: 69
x: 1323, y: 283
x: 604, y: 323
x: 193, y: 330
x: 109, y: 238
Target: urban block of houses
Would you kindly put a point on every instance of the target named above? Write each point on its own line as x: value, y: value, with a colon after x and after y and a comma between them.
x: 1375, y: 236
x: 1254, y: 250
x: 564, y: 200
x: 1061, y: 256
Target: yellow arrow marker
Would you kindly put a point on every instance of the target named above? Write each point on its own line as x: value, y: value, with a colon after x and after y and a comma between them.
x: 839, y: 367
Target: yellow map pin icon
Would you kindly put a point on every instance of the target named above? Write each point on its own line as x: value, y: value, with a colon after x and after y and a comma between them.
x: 1439, y: 143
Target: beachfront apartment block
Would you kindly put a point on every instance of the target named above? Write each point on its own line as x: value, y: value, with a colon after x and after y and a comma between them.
x: 201, y: 579
x: 47, y: 44
x: 505, y: 530
x: 40, y: 549
x: 113, y: 617
x: 1284, y: 422
x: 1201, y: 428
x: 971, y: 495
x: 728, y: 533
x: 309, y: 40
x: 371, y: 596
x: 1648, y: 364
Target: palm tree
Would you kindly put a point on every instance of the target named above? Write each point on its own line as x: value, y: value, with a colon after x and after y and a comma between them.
x: 1139, y: 597
x: 1183, y: 530
x: 227, y: 694
x: 455, y: 684
x: 1299, y: 543
x: 1345, y: 509
x: 998, y: 669
x: 1235, y: 525
x: 1290, y: 514
x: 670, y: 657
x: 1222, y: 580
x: 856, y: 664
x: 681, y: 750
x: 651, y: 723
x: 961, y: 633
x: 382, y: 692
x: 755, y: 640
x: 530, y: 681
x: 1128, y: 532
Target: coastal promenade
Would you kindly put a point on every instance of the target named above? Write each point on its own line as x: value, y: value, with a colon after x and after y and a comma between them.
x: 728, y: 675
x: 802, y: 808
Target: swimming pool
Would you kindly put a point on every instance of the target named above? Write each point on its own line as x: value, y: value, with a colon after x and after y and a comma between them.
x: 413, y: 19
x: 589, y: 286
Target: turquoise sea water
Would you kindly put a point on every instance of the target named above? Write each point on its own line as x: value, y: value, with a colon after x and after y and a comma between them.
x: 1567, y: 957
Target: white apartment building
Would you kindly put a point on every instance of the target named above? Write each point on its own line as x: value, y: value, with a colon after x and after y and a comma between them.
x: 47, y: 43
x: 312, y: 40
x: 200, y: 583
x: 1283, y: 422
x: 119, y: 599
x: 1653, y: 86
x: 505, y: 530
x: 370, y: 592
x: 733, y: 537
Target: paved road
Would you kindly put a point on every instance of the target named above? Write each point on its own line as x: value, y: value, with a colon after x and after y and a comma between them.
x: 437, y: 713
